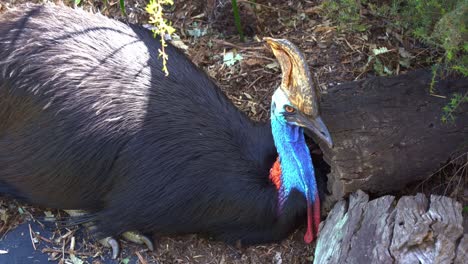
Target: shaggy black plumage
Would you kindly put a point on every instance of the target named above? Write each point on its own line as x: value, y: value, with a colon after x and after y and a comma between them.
x: 89, y: 121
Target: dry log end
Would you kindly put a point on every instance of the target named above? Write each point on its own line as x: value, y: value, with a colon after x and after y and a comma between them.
x: 412, y: 230
x: 387, y: 132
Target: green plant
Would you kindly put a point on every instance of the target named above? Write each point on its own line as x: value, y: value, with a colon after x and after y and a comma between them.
x: 237, y: 19
x: 162, y: 26
x: 379, y: 67
x: 347, y: 13
x: 229, y: 59
x: 455, y: 102
x: 440, y: 25
x: 125, y: 260
x: 121, y: 4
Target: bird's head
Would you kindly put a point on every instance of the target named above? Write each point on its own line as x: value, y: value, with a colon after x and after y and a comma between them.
x: 296, y: 101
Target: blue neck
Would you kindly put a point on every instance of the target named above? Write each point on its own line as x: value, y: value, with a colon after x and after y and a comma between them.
x: 297, y: 170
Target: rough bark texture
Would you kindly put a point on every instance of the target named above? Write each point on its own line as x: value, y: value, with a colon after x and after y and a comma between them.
x: 378, y: 231
x: 388, y: 132
x: 462, y: 250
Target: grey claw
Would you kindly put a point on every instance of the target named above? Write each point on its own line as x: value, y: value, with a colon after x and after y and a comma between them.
x: 137, y: 238
x: 148, y: 242
x: 108, y: 241
x: 112, y: 243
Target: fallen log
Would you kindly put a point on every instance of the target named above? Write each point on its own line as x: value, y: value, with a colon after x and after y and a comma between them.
x: 414, y: 230
x: 388, y: 132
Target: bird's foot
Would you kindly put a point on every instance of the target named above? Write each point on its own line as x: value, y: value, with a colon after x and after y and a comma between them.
x: 111, y: 242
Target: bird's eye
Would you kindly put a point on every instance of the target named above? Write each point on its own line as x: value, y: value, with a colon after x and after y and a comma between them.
x: 289, y: 109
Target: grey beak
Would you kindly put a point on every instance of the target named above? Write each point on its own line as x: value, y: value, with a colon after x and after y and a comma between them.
x: 320, y: 129
x: 317, y: 128
x: 314, y: 127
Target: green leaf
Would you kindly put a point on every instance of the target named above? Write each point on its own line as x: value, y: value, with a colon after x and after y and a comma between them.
x: 463, y: 70
x: 20, y: 210
x: 76, y: 260
x: 387, y: 70
x: 230, y: 59
x: 122, y: 7
x: 125, y: 261
x: 379, y: 51
x: 449, y: 55
x: 272, y: 65
x: 196, y: 32
x: 77, y: 2
x: 361, y: 27
x: 378, y: 67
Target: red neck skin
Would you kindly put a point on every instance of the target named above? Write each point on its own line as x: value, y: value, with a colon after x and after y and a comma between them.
x: 313, y: 220
x: 313, y: 208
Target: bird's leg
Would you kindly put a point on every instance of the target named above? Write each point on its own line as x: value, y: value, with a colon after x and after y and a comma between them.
x: 111, y: 242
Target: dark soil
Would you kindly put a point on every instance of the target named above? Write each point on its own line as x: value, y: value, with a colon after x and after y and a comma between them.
x: 334, y: 57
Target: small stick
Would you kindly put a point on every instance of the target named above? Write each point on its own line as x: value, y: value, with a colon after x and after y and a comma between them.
x: 63, y: 251
x: 69, y: 252
x: 226, y: 43
x: 250, y: 85
x: 31, y: 236
x: 44, y: 239
x: 140, y: 258
x: 72, y: 244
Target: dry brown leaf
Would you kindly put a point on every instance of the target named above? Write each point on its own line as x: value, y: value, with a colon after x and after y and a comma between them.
x: 313, y: 10
x: 254, y: 61
x: 319, y: 29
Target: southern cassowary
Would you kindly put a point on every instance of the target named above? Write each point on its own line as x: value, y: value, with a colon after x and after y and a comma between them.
x: 90, y: 122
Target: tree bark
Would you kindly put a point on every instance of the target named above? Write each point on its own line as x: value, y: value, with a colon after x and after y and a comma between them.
x: 414, y: 230
x: 387, y: 132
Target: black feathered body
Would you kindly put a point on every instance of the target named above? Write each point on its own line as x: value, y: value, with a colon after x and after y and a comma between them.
x: 89, y: 121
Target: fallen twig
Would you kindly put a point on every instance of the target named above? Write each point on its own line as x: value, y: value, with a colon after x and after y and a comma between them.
x: 31, y: 236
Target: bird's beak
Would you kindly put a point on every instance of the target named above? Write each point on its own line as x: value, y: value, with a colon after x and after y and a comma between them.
x: 314, y: 127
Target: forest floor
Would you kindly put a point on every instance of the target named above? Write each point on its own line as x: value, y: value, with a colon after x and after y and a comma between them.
x: 208, y: 31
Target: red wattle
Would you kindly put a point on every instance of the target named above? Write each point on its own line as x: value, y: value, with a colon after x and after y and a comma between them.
x: 313, y: 220
x: 317, y: 214
x: 275, y: 174
x: 309, y: 236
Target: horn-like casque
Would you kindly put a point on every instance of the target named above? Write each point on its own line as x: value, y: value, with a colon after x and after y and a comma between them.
x: 296, y: 81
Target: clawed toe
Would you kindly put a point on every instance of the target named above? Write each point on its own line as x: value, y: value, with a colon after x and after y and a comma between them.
x: 111, y: 242
x: 138, y: 238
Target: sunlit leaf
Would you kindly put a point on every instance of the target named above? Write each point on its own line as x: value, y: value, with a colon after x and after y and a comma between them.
x: 230, y: 59
x: 379, y: 51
